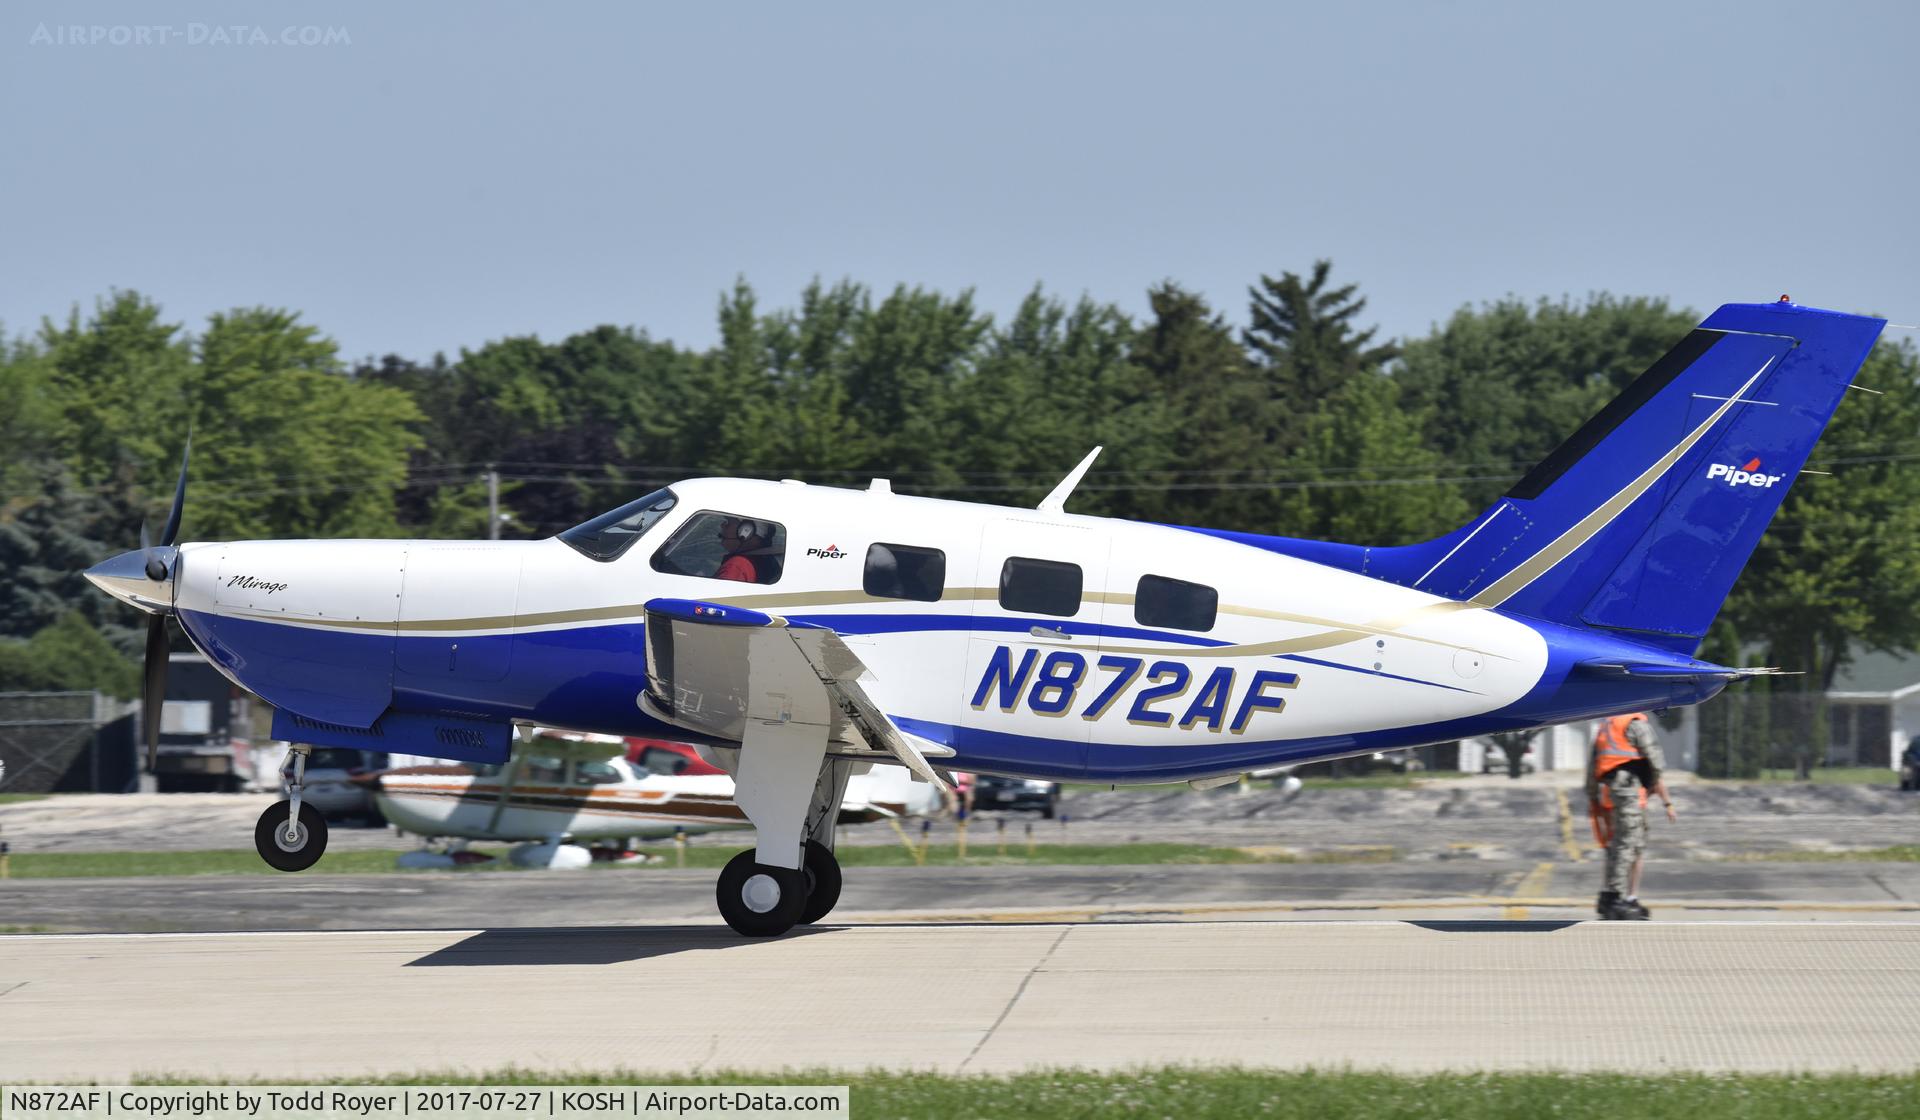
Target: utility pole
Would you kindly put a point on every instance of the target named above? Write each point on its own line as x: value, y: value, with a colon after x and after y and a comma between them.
x: 493, y: 503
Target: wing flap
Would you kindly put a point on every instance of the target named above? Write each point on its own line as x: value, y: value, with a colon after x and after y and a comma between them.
x: 711, y: 668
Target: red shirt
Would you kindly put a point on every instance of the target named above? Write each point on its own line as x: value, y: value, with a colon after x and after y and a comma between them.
x: 738, y: 567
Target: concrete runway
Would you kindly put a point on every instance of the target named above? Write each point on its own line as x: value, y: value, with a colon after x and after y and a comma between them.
x: 1478, y: 889
x: 966, y: 997
x: 1447, y: 819
x: 1463, y: 951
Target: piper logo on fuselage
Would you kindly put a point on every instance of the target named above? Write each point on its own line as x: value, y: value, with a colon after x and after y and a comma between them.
x: 831, y: 552
x: 1748, y: 475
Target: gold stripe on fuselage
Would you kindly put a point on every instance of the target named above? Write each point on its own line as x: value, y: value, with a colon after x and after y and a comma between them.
x: 1337, y: 633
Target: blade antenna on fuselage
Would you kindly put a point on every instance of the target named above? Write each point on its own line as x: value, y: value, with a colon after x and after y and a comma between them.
x: 1056, y: 502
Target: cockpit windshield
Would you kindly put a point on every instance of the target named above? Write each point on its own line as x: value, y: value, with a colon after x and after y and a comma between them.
x: 613, y: 532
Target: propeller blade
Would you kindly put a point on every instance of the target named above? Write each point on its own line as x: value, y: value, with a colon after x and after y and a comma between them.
x: 179, y: 496
x: 154, y: 697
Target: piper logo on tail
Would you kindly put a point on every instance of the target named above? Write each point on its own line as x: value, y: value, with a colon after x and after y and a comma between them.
x: 1748, y: 475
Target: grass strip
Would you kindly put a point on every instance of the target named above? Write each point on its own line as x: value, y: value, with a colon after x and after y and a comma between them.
x: 1899, y: 853
x: 1291, y: 1095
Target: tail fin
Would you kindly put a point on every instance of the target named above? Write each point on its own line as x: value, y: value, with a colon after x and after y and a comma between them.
x: 1642, y: 519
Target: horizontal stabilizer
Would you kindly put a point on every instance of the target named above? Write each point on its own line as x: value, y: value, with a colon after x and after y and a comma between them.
x: 1607, y: 667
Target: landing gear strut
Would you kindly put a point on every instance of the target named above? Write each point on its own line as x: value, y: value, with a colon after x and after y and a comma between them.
x: 791, y: 791
x: 291, y: 835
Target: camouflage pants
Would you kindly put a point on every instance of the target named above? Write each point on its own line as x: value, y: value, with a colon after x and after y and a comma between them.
x: 1629, y: 840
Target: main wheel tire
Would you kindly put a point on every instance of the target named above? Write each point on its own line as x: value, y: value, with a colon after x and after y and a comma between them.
x: 309, y: 841
x: 758, y: 900
x: 823, y: 882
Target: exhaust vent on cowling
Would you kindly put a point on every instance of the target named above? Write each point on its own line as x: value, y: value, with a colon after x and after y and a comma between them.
x: 315, y: 725
x: 433, y: 734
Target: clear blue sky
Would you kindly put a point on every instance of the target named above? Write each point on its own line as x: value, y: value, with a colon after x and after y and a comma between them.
x: 462, y: 172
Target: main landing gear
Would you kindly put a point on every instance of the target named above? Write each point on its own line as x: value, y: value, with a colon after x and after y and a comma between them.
x: 791, y: 792
x: 764, y: 901
x: 291, y: 835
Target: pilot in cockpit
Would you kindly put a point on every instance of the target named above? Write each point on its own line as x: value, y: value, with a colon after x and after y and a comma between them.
x: 741, y: 540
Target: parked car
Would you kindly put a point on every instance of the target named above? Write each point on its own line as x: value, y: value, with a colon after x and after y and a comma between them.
x: 990, y: 792
x: 330, y: 787
x: 1495, y: 762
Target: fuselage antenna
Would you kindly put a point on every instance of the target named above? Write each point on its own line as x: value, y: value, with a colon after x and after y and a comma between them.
x: 1056, y: 502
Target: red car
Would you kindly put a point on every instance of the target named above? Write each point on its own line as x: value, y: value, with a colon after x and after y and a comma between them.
x: 658, y: 756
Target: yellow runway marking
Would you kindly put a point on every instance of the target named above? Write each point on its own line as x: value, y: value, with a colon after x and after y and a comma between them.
x: 1567, y: 843
x: 1532, y: 886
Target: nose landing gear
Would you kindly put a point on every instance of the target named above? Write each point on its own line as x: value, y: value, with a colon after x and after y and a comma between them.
x: 290, y: 847
x: 291, y: 835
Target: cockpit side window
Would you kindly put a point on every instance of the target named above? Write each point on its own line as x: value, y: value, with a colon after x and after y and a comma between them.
x: 727, y: 546
x: 609, y: 535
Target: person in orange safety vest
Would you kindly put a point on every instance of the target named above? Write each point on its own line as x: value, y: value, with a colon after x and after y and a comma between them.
x: 1625, y: 765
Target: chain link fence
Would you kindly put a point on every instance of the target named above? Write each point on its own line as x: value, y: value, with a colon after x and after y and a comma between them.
x: 62, y: 741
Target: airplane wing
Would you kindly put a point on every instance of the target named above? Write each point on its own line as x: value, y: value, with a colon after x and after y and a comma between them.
x: 711, y: 668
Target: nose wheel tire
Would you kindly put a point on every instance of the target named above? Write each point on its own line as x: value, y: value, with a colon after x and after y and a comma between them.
x: 758, y: 900
x: 823, y: 882
x: 295, y: 852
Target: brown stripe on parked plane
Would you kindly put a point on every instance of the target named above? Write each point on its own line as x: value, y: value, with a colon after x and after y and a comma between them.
x: 662, y: 807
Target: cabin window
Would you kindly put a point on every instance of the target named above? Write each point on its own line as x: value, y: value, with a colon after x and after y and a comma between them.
x: 543, y: 768
x: 1030, y: 586
x: 612, y: 533
x: 899, y: 571
x: 726, y: 546
x: 1175, y: 604
x: 595, y: 773
x: 655, y: 760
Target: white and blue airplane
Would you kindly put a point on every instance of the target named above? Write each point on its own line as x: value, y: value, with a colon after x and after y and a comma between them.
x: 799, y: 633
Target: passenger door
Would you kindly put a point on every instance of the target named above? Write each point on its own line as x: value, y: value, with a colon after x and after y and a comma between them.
x: 1035, y: 643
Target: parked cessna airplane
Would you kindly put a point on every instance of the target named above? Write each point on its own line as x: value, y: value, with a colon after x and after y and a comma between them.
x: 558, y: 787
x: 798, y: 632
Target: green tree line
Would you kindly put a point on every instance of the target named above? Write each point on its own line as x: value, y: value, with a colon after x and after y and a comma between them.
x: 1287, y: 416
